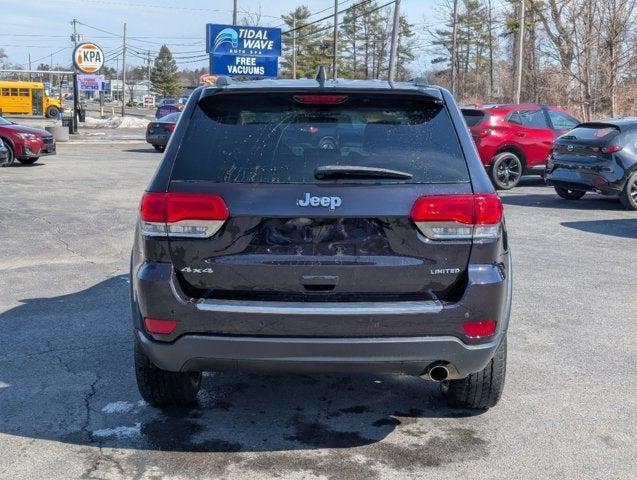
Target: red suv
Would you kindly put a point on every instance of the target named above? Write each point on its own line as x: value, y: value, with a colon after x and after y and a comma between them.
x: 516, y: 140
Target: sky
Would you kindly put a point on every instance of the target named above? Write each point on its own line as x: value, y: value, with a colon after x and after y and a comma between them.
x: 42, y: 28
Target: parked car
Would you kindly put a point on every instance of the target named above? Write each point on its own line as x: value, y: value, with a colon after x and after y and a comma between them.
x: 516, y: 140
x: 4, y: 155
x: 167, y: 101
x: 597, y: 156
x: 25, y: 144
x: 255, y: 249
x: 158, y: 132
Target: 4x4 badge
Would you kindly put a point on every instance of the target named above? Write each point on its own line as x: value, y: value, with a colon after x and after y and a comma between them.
x: 312, y: 201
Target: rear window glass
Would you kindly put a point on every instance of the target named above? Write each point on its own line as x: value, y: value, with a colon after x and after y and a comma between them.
x: 173, y: 117
x: 271, y: 138
x: 473, y: 117
x: 591, y: 132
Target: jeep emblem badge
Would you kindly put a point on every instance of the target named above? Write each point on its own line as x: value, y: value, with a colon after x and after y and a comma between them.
x: 310, y: 200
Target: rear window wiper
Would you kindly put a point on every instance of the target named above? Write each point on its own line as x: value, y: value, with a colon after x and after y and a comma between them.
x: 349, y: 171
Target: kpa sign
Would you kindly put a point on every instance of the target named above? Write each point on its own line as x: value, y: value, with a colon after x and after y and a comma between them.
x: 243, y: 51
x: 88, y: 57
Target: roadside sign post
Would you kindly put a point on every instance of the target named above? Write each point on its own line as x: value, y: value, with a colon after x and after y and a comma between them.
x: 87, y: 58
x: 238, y: 51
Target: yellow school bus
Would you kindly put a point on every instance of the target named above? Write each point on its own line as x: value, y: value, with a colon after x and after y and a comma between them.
x: 27, y: 98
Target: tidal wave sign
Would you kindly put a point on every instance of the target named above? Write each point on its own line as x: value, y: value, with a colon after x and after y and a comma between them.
x: 243, y: 51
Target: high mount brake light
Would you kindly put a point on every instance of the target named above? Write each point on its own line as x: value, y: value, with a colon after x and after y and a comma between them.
x: 193, y: 215
x: 452, y: 217
x: 321, y: 99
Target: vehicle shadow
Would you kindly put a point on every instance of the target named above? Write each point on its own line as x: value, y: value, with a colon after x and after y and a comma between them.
x: 142, y: 150
x: 17, y: 164
x: 624, y: 228
x: 66, y: 375
x: 532, y: 181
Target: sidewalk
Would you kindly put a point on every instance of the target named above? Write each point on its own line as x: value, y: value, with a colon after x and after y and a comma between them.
x: 104, y: 135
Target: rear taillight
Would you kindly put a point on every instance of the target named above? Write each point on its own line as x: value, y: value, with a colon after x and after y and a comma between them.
x: 479, y: 329
x: 170, y: 127
x: 486, y: 132
x: 611, y: 149
x: 450, y: 217
x: 191, y: 215
x: 162, y: 327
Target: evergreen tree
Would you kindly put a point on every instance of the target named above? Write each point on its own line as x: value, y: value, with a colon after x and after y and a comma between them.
x: 164, y: 76
x: 313, y: 44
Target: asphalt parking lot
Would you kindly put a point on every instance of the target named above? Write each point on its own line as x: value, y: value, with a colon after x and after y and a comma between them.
x: 69, y: 406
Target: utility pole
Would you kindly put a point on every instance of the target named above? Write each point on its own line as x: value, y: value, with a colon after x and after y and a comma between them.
x: 454, y: 47
x: 235, y: 11
x: 148, y: 72
x: 124, y: 73
x: 335, y: 42
x: 518, y: 73
x: 29, y: 66
x: 294, y: 45
x: 51, y: 68
x: 76, y: 93
x: 394, y: 42
x: 490, y: 49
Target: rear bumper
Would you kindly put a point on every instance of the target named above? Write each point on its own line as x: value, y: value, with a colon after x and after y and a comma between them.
x: 161, y: 140
x: 397, y: 337
x: 409, y: 355
x: 610, y: 183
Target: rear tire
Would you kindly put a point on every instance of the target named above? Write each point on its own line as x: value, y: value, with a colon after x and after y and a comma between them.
x: 628, y: 197
x: 161, y: 387
x: 159, y: 148
x: 28, y: 161
x: 569, y: 194
x: 481, y: 390
x: 506, y: 170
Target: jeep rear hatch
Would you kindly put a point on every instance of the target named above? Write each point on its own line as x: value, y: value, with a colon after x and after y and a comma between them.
x: 322, y: 195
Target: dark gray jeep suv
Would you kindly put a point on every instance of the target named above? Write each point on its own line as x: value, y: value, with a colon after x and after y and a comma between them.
x: 303, y: 225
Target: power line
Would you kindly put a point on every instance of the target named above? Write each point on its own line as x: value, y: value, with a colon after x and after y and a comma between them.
x: 46, y: 56
x: 343, y: 2
x: 353, y: 18
x: 330, y: 16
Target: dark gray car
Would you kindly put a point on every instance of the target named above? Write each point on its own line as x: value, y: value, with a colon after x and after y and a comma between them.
x: 596, y: 157
x: 258, y: 248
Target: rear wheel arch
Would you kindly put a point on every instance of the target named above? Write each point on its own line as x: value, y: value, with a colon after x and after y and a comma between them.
x: 513, y: 149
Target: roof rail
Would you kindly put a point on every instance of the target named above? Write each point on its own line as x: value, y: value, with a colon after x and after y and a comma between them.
x: 321, y: 76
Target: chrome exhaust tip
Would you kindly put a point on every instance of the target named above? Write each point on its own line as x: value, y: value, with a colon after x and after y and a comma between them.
x: 438, y: 373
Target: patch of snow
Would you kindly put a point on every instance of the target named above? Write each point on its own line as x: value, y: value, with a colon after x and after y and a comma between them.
x: 116, y: 122
x: 118, y: 407
x: 119, y: 431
